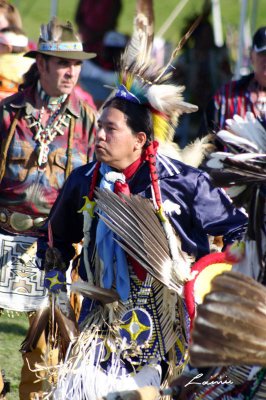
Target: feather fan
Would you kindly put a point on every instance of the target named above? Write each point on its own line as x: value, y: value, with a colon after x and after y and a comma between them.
x: 230, y: 328
x: 142, y: 236
x: 245, y: 163
x: 242, y: 171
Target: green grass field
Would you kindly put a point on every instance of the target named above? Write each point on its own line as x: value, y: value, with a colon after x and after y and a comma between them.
x: 12, y: 332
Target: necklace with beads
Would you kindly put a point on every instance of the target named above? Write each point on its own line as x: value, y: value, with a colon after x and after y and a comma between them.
x: 45, y: 135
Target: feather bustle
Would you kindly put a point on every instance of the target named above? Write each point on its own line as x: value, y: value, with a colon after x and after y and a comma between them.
x: 230, y: 324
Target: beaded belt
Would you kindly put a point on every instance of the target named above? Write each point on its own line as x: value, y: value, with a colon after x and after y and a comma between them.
x: 19, y: 222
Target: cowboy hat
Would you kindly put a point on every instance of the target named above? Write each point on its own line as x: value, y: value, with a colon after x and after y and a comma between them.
x: 60, y: 40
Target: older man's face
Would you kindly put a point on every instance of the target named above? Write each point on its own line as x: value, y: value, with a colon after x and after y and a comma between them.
x: 58, y: 76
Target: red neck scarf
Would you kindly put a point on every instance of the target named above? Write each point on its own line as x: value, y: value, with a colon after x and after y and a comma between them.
x: 121, y: 187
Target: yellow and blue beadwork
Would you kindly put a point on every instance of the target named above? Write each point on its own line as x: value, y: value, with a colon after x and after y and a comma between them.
x: 136, y: 326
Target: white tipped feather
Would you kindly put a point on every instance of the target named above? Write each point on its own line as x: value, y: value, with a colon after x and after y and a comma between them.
x: 185, y: 107
x: 216, y: 159
x: 168, y: 99
x: 229, y: 137
x: 137, y: 51
x: 248, y: 128
x: 259, y: 128
x: 239, y: 127
x: 249, y: 156
x: 161, y: 97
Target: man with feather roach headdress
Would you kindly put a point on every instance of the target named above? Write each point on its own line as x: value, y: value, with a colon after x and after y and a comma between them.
x: 143, y: 217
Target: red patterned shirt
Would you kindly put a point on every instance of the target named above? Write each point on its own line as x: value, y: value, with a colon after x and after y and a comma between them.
x: 26, y: 187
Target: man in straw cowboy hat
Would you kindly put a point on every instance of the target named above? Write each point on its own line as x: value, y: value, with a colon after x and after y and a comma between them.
x: 46, y: 132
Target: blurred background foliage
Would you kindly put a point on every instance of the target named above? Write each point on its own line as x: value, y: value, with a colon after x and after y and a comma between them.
x: 35, y: 12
